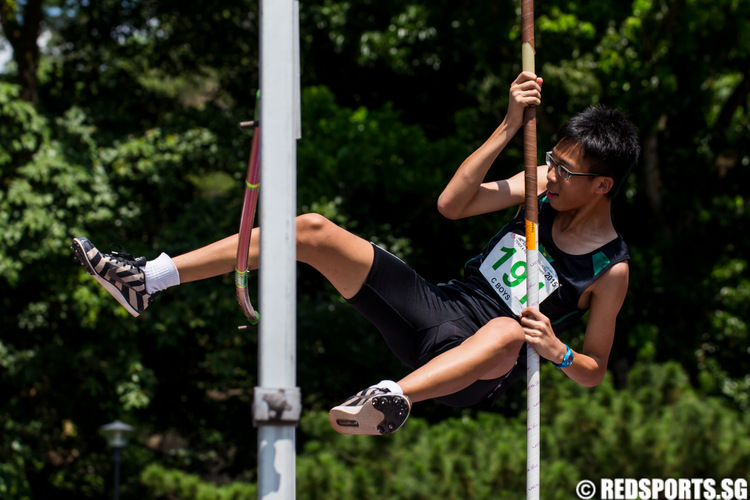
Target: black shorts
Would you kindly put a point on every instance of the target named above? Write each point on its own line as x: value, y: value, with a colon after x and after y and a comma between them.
x: 419, y: 321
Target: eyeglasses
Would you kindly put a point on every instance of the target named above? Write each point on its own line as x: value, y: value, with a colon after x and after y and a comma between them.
x: 562, y: 172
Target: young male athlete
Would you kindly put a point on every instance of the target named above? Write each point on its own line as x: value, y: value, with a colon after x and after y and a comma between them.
x: 465, y: 340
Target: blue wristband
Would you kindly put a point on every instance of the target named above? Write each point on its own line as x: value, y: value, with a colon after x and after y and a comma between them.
x: 567, y: 359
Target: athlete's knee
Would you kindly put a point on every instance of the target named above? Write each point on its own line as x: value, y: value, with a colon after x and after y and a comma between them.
x: 312, y: 228
x: 504, y: 335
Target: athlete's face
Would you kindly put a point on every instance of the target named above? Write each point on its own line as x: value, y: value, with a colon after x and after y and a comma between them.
x: 566, y: 194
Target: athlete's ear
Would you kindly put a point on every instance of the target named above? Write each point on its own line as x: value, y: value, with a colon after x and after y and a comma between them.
x: 604, y: 184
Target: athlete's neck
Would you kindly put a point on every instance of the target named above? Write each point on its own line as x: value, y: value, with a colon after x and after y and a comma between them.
x: 584, y: 229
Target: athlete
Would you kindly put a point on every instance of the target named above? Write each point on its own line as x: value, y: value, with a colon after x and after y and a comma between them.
x: 465, y: 340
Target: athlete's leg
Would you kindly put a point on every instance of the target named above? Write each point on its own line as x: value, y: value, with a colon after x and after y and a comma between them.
x: 488, y: 354
x: 214, y: 259
x: 342, y: 257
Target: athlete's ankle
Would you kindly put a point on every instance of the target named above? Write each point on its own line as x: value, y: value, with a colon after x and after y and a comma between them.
x: 390, y: 385
x: 161, y: 273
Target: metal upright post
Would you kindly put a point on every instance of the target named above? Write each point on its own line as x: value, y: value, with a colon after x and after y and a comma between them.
x: 277, y: 400
x: 118, y: 459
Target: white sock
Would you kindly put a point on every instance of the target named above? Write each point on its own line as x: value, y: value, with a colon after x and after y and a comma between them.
x: 390, y: 385
x: 161, y: 273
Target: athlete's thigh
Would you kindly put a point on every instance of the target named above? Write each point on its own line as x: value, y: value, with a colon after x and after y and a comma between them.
x: 406, y: 309
x: 342, y: 257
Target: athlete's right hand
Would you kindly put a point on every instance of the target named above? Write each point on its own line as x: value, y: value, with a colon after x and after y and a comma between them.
x: 525, y: 91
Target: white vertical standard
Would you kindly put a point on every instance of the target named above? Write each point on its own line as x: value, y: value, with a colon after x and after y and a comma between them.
x: 297, y: 78
x: 276, y: 405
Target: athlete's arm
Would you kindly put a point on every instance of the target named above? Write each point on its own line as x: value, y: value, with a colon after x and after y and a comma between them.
x: 608, y: 295
x: 466, y: 194
x: 590, y: 365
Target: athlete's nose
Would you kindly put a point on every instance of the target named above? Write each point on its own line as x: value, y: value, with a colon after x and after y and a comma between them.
x: 551, y: 177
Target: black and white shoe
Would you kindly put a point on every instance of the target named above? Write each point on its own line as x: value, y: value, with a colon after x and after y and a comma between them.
x: 372, y: 412
x: 119, y: 273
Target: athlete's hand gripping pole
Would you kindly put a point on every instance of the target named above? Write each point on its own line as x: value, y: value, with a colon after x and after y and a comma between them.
x: 249, y: 204
x: 532, y: 254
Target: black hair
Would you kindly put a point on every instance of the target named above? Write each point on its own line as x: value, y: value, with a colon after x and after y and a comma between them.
x: 608, y: 140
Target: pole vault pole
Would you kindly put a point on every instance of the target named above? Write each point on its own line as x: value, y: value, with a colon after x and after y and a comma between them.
x: 277, y: 400
x: 532, y: 254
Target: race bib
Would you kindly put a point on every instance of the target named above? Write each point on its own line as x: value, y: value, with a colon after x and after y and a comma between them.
x: 505, y: 271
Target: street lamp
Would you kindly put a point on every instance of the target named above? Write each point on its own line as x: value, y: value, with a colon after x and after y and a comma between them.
x: 116, y: 434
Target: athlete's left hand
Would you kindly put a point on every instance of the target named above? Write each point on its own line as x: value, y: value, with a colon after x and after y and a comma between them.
x: 540, y: 336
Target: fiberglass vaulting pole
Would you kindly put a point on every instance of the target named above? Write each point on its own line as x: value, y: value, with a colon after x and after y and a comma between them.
x: 533, y: 440
x: 277, y: 400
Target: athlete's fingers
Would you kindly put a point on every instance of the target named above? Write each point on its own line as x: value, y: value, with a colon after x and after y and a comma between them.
x: 534, y: 341
x: 527, y: 95
x: 525, y: 76
x: 532, y: 324
x: 533, y: 335
x: 537, y: 329
x: 530, y: 85
x: 527, y: 88
x: 532, y: 312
